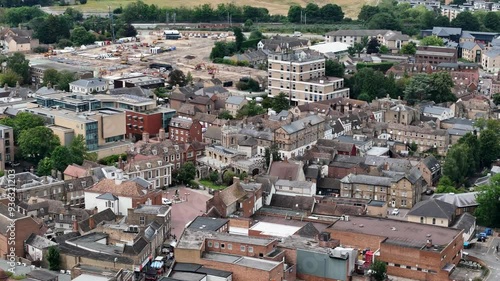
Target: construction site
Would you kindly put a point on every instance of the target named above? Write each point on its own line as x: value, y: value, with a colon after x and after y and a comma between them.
x: 129, y: 55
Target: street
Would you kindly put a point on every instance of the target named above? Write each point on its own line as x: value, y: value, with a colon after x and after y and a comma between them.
x: 486, y: 252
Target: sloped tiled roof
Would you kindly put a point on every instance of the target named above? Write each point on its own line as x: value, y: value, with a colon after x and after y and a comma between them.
x: 466, y: 221
x: 308, y: 231
x: 303, y: 203
x: 433, y: 208
x: 232, y: 194
x: 285, y: 170
x: 460, y: 200
x: 126, y: 188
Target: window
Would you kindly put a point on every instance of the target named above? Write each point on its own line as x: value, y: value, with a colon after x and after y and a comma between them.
x: 250, y: 249
x: 61, y: 217
x: 229, y: 246
x: 210, y: 244
x: 421, y: 219
x: 222, y: 246
x: 142, y: 220
x: 242, y: 248
x: 433, y: 220
x: 216, y: 245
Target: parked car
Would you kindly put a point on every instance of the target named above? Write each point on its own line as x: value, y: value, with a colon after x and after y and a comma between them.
x: 395, y: 212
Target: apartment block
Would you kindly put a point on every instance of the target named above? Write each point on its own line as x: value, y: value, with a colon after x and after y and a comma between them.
x: 6, y: 146
x: 301, y: 75
x: 185, y: 130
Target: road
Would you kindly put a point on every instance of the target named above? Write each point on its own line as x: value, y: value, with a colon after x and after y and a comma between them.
x: 487, y: 253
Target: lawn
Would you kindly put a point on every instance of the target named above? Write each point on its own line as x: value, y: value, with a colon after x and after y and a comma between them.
x: 350, y: 7
x: 209, y: 184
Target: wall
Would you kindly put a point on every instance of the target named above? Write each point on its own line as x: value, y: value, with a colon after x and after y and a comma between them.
x: 429, y: 220
x: 356, y: 240
x: 242, y: 273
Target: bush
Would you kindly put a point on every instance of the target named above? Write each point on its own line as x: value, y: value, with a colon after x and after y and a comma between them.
x: 194, y: 185
x: 83, y: 2
x: 40, y: 49
x: 383, y: 66
x: 63, y: 43
x: 112, y: 159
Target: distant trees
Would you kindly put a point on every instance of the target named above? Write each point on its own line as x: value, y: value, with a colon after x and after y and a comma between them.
x: 19, y: 65
x: 432, y: 40
x: 488, y: 209
x: 278, y: 103
x: 312, y: 13
x: 409, y: 49
x: 248, y: 84
x: 177, y: 77
x: 186, y: 173
x: 466, y: 21
x: 334, y: 68
x: 37, y: 143
x: 368, y: 84
x: 80, y: 36
x: 59, y: 79
x: 250, y: 109
x: 432, y: 87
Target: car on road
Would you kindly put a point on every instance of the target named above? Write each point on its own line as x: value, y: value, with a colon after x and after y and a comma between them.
x: 395, y: 212
x: 167, y: 201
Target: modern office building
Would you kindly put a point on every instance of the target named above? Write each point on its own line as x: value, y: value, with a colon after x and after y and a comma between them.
x: 301, y: 75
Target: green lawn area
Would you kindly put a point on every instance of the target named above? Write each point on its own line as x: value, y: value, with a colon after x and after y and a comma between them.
x: 209, y: 184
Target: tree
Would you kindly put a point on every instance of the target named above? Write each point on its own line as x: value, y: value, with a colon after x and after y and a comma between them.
x: 488, y: 209
x: 409, y: 49
x: 496, y: 98
x: 61, y: 157
x: 456, y: 165
x: 83, y: 2
x: 489, y: 144
x: 16, y: 16
x: 432, y: 40
x: 54, y: 258
x: 52, y: 28
x: 80, y: 36
x: 256, y: 35
x: 74, y: 14
x: 248, y: 23
x: 65, y: 77
x: 225, y: 115
x: 37, y: 143
x: 250, y: 109
x: 467, y: 21
x: 445, y: 185
x: 383, y: 21
x: 189, y: 77
x: 334, y: 68
x: 78, y: 150
x: 10, y: 78
x: 249, y: 85
x: 379, y: 269
x: 357, y: 48
x: 281, y: 102
x: 50, y: 76
x: 186, y: 173
x: 213, y: 176
x: 434, y: 87
x: 472, y: 142
x: 228, y: 177
x: 294, y: 14
x: 272, y: 151
x: 331, y: 12
x: 373, y: 46
x: 177, y: 78
x: 239, y: 38
x: 44, y: 167
x: 20, y: 65
x: 441, y: 88
x: 367, y: 12
x: 384, y: 50
x: 127, y: 30
x: 23, y: 121
x: 372, y: 84
x: 492, y: 21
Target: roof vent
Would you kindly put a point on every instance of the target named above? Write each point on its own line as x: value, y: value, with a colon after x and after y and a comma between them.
x: 361, y: 225
x: 393, y: 228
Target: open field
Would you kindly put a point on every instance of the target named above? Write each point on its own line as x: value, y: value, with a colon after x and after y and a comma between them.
x: 350, y: 7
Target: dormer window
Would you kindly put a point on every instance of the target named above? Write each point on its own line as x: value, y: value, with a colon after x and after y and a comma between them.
x: 61, y: 216
x: 84, y: 184
x: 70, y: 186
x: 148, y: 165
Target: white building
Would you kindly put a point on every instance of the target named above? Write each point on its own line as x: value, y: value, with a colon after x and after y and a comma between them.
x: 88, y: 86
x: 295, y: 188
x: 441, y: 113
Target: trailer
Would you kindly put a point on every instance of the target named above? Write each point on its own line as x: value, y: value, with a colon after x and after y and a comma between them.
x: 172, y: 34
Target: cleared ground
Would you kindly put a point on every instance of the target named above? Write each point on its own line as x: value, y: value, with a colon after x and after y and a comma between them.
x: 350, y: 7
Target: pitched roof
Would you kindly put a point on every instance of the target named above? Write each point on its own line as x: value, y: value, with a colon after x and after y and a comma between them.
x: 466, y: 221
x: 304, y: 203
x: 214, y: 133
x: 75, y: 171
x: 235, y: 100
x: 285, y: 170
x: 431, y: 163
x: 433, y: 208
x: 367, y: 179
x: 126, y: 188
x: 232, y: 194
x: 460, y: 200
x: 105, y: 215
x: 302, y: 123
x: 308, y: 231
x: 39, y: 242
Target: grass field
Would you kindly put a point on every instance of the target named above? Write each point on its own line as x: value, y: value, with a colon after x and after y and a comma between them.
x: 350, y: 7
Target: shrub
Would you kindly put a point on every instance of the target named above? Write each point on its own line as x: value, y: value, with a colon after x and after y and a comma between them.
x: 40, y: 49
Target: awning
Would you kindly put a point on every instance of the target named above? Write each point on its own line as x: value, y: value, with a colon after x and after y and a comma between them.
x: 449, y: 267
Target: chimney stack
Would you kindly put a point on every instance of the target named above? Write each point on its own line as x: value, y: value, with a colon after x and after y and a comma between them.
x: 429, y: 243
x: 75, y: 226
x: 91, y: 223
x: 386, y: 166
x: 161, y: 135
x: 121, y: 163
x: 145, y: 137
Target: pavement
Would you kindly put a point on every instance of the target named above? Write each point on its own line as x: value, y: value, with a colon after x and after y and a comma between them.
x: 20, y: 269
x: 486, y: 252
x: 191, y: 205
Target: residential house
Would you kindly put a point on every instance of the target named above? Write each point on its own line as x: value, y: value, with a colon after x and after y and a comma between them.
x: 155, y: 170
x: 491, y: 60
x: 89, y: 86
x: 89, y: 224
x: 185, y: 130
x: 143, y: 215
x: 343, y: 165
x: 19, y: 226
x: 394, y: 40
x: 234, y: 104
x: 434, y: 212
x: 293, y: 139
x: 18, y: 40
x: 441, y: 113
x: 36, y: 248
x: 74, y: 190
x: 430, y: 169
x: 121, y: 195
x: 356, y: 36
x: 471, y: 51
x: 279, y: 43
x: 254, y: 58
x: 242, y: 198
x: 29, y: 185
x: 213, y: 135
x: 287, y: 170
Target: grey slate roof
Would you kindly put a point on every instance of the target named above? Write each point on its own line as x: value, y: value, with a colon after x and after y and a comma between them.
x: 431, y: 163
x: 366, y: 179
x: 308, y: 231
x: 460, y: 200
x: 301, y: 124
x: 433, y: 208
x: 235, y: 100
x: 107, y: 196
x: 214, y: 132
x: 446, y: 31
x: 39, y: 242
x: 466, y: 221
x: 92, y: 82
x: 207, y: 223
x: 435, y: 110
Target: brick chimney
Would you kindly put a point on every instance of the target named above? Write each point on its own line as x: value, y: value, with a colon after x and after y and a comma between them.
x: 75, y: 226
x: 91, y: 223
x: 121, y: 163
x: 145, y: 136
x: 386, y: 166
x: 161, y: 135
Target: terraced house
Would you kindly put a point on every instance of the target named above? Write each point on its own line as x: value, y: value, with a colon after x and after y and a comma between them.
x: 295, y: 138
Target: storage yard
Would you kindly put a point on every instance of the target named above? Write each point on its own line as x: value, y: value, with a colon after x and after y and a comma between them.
x: 131, y: 55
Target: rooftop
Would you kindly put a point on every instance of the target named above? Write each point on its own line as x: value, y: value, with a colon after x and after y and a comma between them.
x: 207, y: 223
x: 193, y: 239
x: 275, y: 230
x: 242, y: 261
x: 405, y: 233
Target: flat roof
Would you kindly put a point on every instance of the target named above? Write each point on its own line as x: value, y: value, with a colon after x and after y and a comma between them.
x: 274, y: 229
x: 242, y: 261
x: 89, y: 277
x: 399, y: 232
x: 434, y: 53
x: 207, y: 223
x: 193, y: 239
x: 188, y: 276
x: 377, y: 151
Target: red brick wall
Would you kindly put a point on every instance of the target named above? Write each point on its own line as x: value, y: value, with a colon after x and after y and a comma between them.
x: 195, y: 133
x: 248, y: 205
x: 236, y: 248
x: 241, y: 273
x: 356, y: 240
x: 240, y: 222
x: 154, y: 196
x: 152, y: 123
x: 23, y: 229
x: 339, y: 172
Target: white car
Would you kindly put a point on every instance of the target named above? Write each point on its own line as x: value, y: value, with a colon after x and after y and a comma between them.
x: 167, y: 202
x: 395, y: 212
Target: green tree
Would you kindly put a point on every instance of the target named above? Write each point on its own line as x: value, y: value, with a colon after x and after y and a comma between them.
x: 373, y: 46
x: 294, y: 13
x: 78, y: 150
x: 384, y: 21
x: 367, y: 12
x: 44, y: 167
x: 239, y: 38
x: 249, y: 85
x: 37, y: 143
x: 334, y: 68
x: 23, y: 121
x: 434, y: 87
x: 467, y: 21
x: 357, y: 48
x: 441, y: 88
x: 250, y: 109
x: 281, y: 102
x: 10, y: 78
x: 61, y: 157
x: 409, y: 49
x: 379, y: 269
x: 54, y: 258
x: 256, y: 35
x: 50, y: 76
x: 189, y: 77
x: 16, y: 16
x: 331, y: 13
x: 225, y: 115
x: 213, y: 177
x: 492, y: 21
x: 80, y: 36
x: 384, y: 50
x: 432, y: 40
x: 74, y: 14
x: 456, y: 165
x: 445, y: 185
x: 65, y: 77
x: 496, y: 98
x: 248, y: 23
x: 474, y: 149
x: 372, y: 84
x: 274, y: 151
x: 177, y: 78
x: 52, y: 28
x: 227, y: 178
x: 488, y: 209
x: 186, y: 173
x: 20, y: 65
x: 489, y: 144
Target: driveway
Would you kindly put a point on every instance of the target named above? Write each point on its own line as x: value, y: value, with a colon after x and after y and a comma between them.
x: 192, y: 204
x: 486, y: 252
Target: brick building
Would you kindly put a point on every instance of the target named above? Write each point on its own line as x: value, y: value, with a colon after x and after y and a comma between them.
x: 343, y: 165
x: 411, y: 250
x: 435, y: 55
x: 244, y: 198
x: 24, y: 227
x: 185, y: 130
x: 150, y: 121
